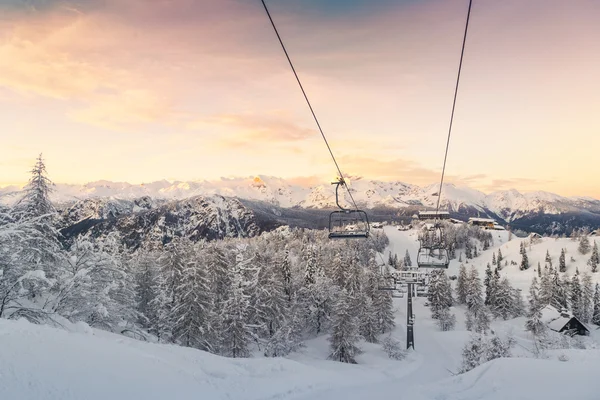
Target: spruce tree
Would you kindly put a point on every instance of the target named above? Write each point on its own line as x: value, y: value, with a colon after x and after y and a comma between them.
x: 407, y: 260
x: 539, y: 270
x: 493, y: 258
x: 562, y: 265
x: 596, y: 312
x: 383, y: 307
x: 595, y: 258
x: 345, y: 333
x: 524, y: 260
x: 576, y: 304
x: 487, y: 281
x: 499, y: 259
x: 36, y: 199
x: 462, y: 285
x: 587, y: 297
x: 503, y: 305
x: 439, y: 293
x: 192, y: 309
x: 548, y: 259
x: 534, y: 322
x: 286, y: 274
x: 584, y: 244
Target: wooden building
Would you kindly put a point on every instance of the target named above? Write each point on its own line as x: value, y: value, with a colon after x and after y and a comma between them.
x: 563, y: 322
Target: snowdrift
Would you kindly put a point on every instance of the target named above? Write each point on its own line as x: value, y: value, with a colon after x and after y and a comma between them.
x: 45, y: 363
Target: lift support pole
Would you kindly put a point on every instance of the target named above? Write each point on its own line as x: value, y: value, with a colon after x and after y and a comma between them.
x: 410, y: 338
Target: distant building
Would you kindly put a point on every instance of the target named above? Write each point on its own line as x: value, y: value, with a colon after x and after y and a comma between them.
x: 483, y: 222
x: 563, y: 322
x: 425, y: 215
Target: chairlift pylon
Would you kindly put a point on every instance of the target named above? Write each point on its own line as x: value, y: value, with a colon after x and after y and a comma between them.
x: 345, y: 223
x: 433, y: 251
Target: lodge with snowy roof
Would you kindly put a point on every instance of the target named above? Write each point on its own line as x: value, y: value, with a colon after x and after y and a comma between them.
x: 486, y: 223
x: 563, y: 322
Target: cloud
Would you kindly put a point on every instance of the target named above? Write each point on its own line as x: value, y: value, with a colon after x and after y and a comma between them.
x: 517, y: 183
x: 394, y: 169
x: 256, y: 128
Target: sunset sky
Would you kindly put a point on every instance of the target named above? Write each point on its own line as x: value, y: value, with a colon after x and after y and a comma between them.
x: 144, y: 90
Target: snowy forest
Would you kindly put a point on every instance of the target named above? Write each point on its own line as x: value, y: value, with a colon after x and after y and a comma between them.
x: 268, y: 293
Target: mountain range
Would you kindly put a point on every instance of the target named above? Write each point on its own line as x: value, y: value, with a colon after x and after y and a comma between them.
x: 539, y: 211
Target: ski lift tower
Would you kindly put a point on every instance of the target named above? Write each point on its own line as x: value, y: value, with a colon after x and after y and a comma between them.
x: 396, y: 281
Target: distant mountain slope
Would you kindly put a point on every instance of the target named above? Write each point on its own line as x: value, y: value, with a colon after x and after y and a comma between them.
x: 545, y: 212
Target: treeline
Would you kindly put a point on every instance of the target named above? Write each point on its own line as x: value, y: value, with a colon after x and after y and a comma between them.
x: 227, y: 297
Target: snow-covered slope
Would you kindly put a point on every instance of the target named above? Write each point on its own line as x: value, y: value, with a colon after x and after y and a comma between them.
x: 79, y: 363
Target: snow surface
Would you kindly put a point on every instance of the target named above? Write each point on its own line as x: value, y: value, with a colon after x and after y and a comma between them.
x: 77, y: 362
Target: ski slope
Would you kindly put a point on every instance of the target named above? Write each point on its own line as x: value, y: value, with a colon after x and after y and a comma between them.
x: 80, y: 363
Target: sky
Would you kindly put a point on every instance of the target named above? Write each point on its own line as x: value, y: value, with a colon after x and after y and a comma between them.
x: 145, y: 90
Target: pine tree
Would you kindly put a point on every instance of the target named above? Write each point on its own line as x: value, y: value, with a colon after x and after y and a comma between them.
x: 368, y: 320
x: 407, y: 260
x: 493, y: 258
x: 36, y: 200
x: 473, y: 353
x: 146, y: 289
x: 439, y: 293
x: 534, y: 322
x: 503, y: 306
x: 344, y: 336
x: 462, y: 285
x: 595, y: 258
x: 596, y: 312
x: 383, y: 307
x: 584, y: 244
x: 576, y: 300
x: 587, y: 298
x: 487, y: 284
x: 548, y: 259
x: 236, y: 334
x: 524, y: 260
x: 286, y: 272
x: 521, y: 248
x: 499, y: 259
x: 192, y: 308
x: 562, y: 265
x: 560, y: 292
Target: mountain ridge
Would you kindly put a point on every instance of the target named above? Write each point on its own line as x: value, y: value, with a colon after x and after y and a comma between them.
x: 509, y: 206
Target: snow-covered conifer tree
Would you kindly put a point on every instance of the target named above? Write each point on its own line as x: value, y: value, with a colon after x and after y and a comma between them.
x: 534, y: 322
x: 562, y: 265
x: 596, y: 312
x: 345, y: 332
x: 587, y: 297
x: 407, y: 260
x: 462, y: 285
x: 576, y: 300
x: 584, y: 244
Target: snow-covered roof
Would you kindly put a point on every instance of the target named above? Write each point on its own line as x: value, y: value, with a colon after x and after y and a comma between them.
x: 555, y: 319
x: 433, y: 213
x: 488, y: 220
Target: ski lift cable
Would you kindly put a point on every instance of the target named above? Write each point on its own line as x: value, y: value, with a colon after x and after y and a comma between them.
x: 462, y: 52
x: 309, y: 104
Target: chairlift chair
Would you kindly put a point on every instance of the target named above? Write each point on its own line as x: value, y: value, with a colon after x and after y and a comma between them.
x: 345, y: 223
x: 433, y: 251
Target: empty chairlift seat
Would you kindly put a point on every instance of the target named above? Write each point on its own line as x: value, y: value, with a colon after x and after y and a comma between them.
x: 433, y: 251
